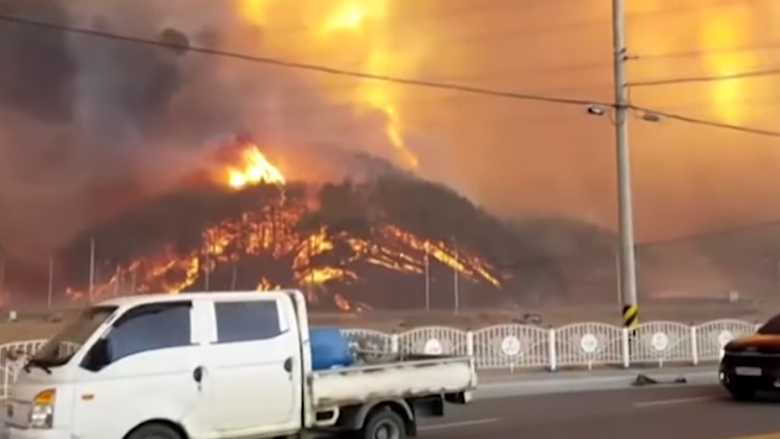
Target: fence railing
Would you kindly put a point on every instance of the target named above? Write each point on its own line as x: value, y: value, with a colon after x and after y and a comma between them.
x: 579, y: 345
x: 526, y: 347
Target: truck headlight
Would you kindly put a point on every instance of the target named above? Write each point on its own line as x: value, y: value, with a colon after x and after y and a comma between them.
x: 42, y: 412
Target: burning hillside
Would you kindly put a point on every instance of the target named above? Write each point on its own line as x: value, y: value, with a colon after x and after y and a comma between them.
x: 353, y: 246
x: 112, y: 142
x: 104, y: 124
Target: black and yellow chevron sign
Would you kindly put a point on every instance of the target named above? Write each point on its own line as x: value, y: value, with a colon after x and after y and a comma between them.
x: 631, y: 316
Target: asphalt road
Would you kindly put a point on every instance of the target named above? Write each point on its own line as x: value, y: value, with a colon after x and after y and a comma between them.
x: 685, y: 412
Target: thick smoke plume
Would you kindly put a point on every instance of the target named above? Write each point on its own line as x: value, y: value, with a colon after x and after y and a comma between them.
x: 90, y: 125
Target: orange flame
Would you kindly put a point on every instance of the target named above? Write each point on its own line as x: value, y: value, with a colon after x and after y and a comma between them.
x: 355, y: 29
x: 273, y: 230
x: 254, y: 169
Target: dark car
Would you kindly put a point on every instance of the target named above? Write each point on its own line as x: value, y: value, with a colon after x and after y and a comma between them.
x: 752, y: 363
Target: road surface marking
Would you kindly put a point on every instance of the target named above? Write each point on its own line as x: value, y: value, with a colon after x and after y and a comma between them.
x: 760, y: 436
x: 458, y: 424
x: 671, y: 401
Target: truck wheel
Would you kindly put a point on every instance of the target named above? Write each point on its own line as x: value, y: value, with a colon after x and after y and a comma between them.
x: 383, y: 424
x: 154, y: 431
x: 742, y: 393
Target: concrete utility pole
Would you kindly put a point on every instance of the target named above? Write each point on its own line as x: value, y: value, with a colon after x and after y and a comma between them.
x: 50, y: 291
x: 2, y: 274
x: 627, y: 266
x: 427, y: 278
x: 92, y: 269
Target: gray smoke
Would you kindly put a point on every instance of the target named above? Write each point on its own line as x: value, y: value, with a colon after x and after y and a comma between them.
x: 38, y: 69
x: 115, y: 98
x: 85, y: 121
x: 80, y: 112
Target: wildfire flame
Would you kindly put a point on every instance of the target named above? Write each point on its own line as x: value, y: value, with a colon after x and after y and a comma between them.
x: 726, y: 28
x: 352, y: 17
x: 272, y: 234
x: 341, y: 25
x: 273, y: 231
x: 254, y: 169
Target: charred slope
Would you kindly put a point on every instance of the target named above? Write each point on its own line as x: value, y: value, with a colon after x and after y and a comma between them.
x: 583, y: 257
x: 744, y: 259
x: 352, y: 245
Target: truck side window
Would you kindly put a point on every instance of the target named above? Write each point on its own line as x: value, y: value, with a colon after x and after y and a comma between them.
x: 247, y: 321
x: 150, y: 327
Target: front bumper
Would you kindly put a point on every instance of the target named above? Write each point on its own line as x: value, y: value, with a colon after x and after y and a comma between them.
x: 29, y: 433
x: 767, y: 376
x: 758, y: 383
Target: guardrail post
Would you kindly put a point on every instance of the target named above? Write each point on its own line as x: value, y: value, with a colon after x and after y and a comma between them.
x: 552, y: 350
x: 394, y: 348
x: 470, y: 343
x: 694, y: 346
x: 626, y: 348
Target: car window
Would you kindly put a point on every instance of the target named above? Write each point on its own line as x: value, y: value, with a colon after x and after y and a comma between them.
x: 150, y: 327
x: 247, y: 321
x: 772, y: 327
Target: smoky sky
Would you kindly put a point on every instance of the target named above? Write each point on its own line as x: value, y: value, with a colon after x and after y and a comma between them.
x: 108, y: 95
x: 77, y: 109
x: 87, y: 120
x: 38, y: 68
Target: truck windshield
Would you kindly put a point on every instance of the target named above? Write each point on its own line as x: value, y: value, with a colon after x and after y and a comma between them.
x: 61, y: 348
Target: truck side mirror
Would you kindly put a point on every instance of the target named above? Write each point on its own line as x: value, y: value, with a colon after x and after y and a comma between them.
x: 99, y: 356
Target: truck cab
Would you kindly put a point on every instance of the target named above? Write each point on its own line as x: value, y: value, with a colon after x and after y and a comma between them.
x: 214, y: 366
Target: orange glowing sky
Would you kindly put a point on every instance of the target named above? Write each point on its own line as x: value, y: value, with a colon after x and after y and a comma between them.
x: 519, y: 157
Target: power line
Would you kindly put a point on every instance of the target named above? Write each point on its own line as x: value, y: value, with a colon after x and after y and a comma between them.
x: 298, y: 65
x: 696, y: 105
x: 539, y: 31
x: 774, y: 45
x: 369, y: 76
x: 712, y: 234
x: 705, y: 122
x: 525, y: 74
x: 742, y: 75
x: 436, y: 14
x: 533, y: 32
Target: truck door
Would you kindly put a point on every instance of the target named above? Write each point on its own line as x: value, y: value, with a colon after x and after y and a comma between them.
x: 145, y: 373
x: 254, y: 372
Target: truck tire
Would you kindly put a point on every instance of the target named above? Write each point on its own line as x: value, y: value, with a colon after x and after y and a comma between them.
x: 383, y: 424
x: 154, y: 431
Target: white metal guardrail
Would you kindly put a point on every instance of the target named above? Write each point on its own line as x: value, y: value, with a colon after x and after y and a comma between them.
x: 579, y: 345
x: 526, y: 347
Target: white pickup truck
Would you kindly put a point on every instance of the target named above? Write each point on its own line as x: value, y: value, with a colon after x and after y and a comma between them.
x: 214, y: 366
